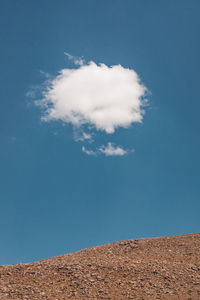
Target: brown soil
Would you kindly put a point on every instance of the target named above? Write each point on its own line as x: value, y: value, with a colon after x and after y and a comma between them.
x: 158, y: 268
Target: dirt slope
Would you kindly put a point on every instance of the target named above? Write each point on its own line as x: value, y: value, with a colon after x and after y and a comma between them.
x: 158, y: 268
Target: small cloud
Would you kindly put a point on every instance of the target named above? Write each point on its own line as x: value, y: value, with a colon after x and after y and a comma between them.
x: 80, y: 136
x: 45, y: 74
x: 112, y: 150
x: 88, y: 152
x: 76, y: 60
x: 86, y: 136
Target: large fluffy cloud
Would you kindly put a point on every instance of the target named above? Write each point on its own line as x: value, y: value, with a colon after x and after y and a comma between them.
x: 94, y: 97
x: 103, y: 97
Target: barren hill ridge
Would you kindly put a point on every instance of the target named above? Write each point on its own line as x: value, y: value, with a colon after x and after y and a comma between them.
x: 152, y: 268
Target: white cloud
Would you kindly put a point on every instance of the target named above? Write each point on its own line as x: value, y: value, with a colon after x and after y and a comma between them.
x: 88, y: 152
x: 81, y: 136
x: 94, y: 97
x: 76, y: 60
x: 112, y: 150
x: 98, y: 95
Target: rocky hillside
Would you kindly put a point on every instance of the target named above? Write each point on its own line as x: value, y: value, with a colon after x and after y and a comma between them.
x: 156, y: 268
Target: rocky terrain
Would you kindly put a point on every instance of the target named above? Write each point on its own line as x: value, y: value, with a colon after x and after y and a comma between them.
x: 156, y: 268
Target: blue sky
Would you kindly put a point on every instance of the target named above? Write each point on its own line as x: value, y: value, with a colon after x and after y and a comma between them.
x: 54, y: 198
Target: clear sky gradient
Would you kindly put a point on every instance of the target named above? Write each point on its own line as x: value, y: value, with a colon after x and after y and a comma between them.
x: 54, y: 198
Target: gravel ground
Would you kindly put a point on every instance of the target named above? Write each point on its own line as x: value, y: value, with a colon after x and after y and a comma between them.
x: 156, y: 268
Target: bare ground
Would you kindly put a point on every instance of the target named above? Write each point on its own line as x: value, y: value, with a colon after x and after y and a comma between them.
x: 156, y: 268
